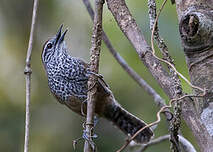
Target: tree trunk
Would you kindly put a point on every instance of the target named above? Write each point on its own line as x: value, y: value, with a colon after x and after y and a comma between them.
x: 196, y: 30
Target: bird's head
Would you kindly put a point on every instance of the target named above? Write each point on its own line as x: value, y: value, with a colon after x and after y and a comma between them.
x: 54, y: 46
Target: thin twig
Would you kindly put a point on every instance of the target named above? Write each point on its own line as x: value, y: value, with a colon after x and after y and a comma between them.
x: 153, y: 142
x: 186, y: 145
x: 159, y: 40
x: 94, y: 65
x: 141, y: 82
x: 28, y: 72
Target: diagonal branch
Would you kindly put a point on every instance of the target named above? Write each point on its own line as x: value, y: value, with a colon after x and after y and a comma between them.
x: 28, y: 72
x: 94, y: 65
x: 131, y: 30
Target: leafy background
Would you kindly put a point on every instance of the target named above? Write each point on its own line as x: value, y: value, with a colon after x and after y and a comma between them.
x: 53, y: 126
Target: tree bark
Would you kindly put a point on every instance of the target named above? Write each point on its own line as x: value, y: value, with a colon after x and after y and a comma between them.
x: 89, y: 146
x: 196, y: 30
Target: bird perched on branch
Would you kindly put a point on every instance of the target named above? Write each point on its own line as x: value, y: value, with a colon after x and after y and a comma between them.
x: 67, y: 80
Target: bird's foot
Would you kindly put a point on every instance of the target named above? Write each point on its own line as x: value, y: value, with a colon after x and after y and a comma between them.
x: 101, y: 83
x: 96, y: 74
x: 89, y: 139
x: 87, y: 134
x: 86, y: 137
x: 100, y: 77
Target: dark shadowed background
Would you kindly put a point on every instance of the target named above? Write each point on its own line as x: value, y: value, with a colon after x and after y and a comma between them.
x: 54, y: 126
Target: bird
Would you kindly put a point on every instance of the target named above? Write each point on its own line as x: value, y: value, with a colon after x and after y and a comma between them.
x: 67, y: 79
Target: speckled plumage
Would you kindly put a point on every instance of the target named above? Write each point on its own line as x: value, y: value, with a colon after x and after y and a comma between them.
x: 67, y: 76
x: 67, y: 80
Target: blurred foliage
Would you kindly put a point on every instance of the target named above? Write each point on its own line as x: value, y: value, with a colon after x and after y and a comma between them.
x: 53, y: 126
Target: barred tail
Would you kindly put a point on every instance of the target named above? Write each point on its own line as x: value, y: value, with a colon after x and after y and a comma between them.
x: 127, y: 122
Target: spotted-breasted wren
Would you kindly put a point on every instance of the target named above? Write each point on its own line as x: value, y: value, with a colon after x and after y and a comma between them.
x: 67, y: 80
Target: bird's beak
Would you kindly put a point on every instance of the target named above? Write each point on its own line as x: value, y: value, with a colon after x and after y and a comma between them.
x: 61, y: 39
x: 59, y: 36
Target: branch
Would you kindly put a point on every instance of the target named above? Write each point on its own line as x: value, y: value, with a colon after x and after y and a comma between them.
x: 153, y: 142
x: 186, y: 145
x: 94, y: 65
x: 28, y: 72
x: 176, y: 121
x: 159, y: 101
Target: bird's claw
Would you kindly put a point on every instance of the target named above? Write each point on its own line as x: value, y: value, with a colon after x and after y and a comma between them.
x: 96, y: 74
x: 82, y: 107
x: 89, y: 139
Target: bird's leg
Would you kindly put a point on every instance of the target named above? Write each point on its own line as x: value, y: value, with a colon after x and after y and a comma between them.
x: 85, y: 134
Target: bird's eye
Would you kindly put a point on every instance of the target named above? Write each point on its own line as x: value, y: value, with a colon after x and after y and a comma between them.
x: 49, y: 45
